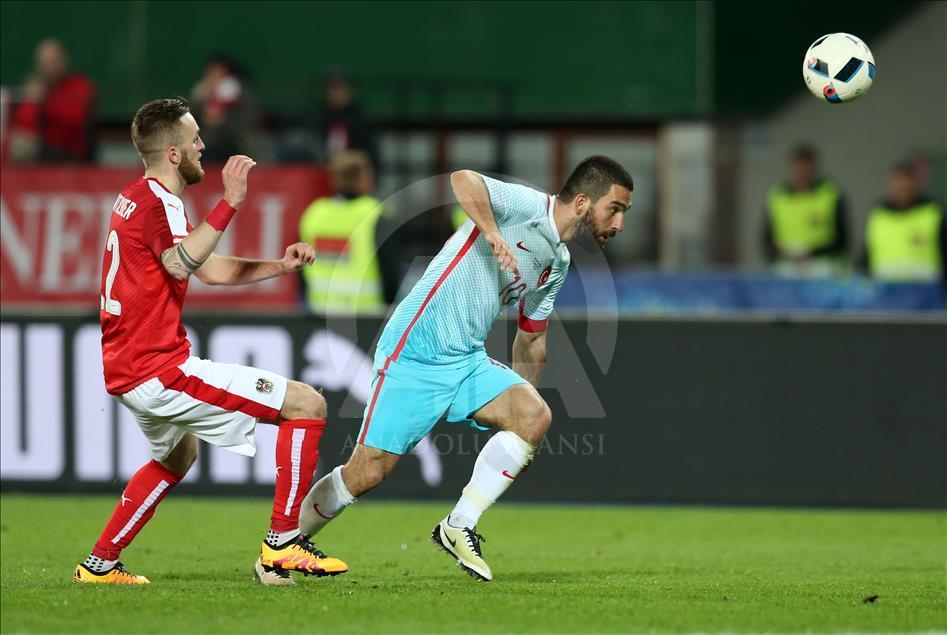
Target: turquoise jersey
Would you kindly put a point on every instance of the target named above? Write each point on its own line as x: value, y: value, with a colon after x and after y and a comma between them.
x: 447, y: 315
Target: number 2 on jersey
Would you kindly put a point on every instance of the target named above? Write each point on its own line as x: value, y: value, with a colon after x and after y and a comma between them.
x: 106, y: 302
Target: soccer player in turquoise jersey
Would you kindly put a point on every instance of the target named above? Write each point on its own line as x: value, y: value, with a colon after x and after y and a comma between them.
x: 430, y: 360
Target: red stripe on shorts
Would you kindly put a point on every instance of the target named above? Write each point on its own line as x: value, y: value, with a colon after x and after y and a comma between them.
x: 371, y: 406
x: 194, y: 386
x: 474, y: 234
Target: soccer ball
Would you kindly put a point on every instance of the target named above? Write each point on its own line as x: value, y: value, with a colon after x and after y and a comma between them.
x: 838, y: 68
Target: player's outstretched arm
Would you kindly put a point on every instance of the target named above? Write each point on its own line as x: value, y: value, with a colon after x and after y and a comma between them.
x: 187, y: 256
x: 473, y: 196
x: 529, y: 355
x: 234, y: 271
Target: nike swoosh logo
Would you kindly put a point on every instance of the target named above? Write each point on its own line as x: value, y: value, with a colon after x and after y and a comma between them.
x: 520, y: 245
x: 507, y: 475
x: 315, y: 508
x: 453, y: 543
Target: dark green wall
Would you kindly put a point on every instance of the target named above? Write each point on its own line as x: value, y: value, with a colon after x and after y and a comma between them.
x: 621, y: 59
x: 564, y: 60
x: 759, y: 46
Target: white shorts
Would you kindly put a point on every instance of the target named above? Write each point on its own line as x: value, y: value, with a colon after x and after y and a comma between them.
x: 219, y: 403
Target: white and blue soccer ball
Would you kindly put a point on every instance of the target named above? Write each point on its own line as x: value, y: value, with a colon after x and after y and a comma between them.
x: 838, y: 68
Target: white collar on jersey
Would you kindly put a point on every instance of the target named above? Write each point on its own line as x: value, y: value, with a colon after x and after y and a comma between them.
x: 552, y: 221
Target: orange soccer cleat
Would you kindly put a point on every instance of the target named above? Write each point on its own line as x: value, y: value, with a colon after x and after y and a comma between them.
x: 302, y: 556
x: 116, y: 575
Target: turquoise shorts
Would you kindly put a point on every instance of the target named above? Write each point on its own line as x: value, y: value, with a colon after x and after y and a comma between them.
x: 408, y: 398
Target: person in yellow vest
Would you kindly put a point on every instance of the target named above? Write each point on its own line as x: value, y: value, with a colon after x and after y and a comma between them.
x: 805, y: 226
x: 906, y: 236
x: 346, y: 276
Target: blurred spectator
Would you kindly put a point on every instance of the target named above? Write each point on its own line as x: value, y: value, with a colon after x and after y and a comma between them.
x: 906, y: 237
x: 354, y: 270
x: 805, y: 226
x: 341, y: 126
x: 54, y: 119
x: 227, y: 110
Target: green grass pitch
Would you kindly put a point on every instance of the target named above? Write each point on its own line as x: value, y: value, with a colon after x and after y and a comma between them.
x: 557, y: 569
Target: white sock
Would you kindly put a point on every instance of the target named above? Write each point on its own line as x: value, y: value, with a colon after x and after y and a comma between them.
x: 279, y: 538
x: 327, y: 499
x: 500, y: 461
x: 94, y: 563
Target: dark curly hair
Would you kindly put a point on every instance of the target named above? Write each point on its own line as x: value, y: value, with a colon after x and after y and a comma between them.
x: 594, y: 177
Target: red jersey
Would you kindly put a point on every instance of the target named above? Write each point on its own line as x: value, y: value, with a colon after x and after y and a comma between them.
x: 62, y: 119
x: 140, y: 306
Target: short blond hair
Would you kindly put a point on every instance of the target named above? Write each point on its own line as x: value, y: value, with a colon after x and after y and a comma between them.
x: 156, y: 126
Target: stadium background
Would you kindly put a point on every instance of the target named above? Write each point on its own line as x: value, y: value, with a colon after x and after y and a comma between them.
x: 683, y: 370
x: 701, y: 108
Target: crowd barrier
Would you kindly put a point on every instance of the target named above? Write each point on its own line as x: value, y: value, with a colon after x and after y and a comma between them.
x: 733, y: 411
x: 660, y: 293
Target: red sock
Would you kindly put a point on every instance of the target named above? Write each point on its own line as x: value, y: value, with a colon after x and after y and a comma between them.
x: 144, y: 491
x: 297, y: 451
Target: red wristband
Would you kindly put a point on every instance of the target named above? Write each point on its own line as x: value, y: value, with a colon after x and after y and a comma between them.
x: 220, y: 217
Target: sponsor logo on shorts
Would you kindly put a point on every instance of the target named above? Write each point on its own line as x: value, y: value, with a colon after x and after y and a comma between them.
x: 264, y: 386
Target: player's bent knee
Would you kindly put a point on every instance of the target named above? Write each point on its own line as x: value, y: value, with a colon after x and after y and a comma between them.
x: 535, y: 420
x: 316, y: 404
x: 303, y: 402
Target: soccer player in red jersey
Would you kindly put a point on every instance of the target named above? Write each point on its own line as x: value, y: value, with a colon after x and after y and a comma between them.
x: 151, y: 252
